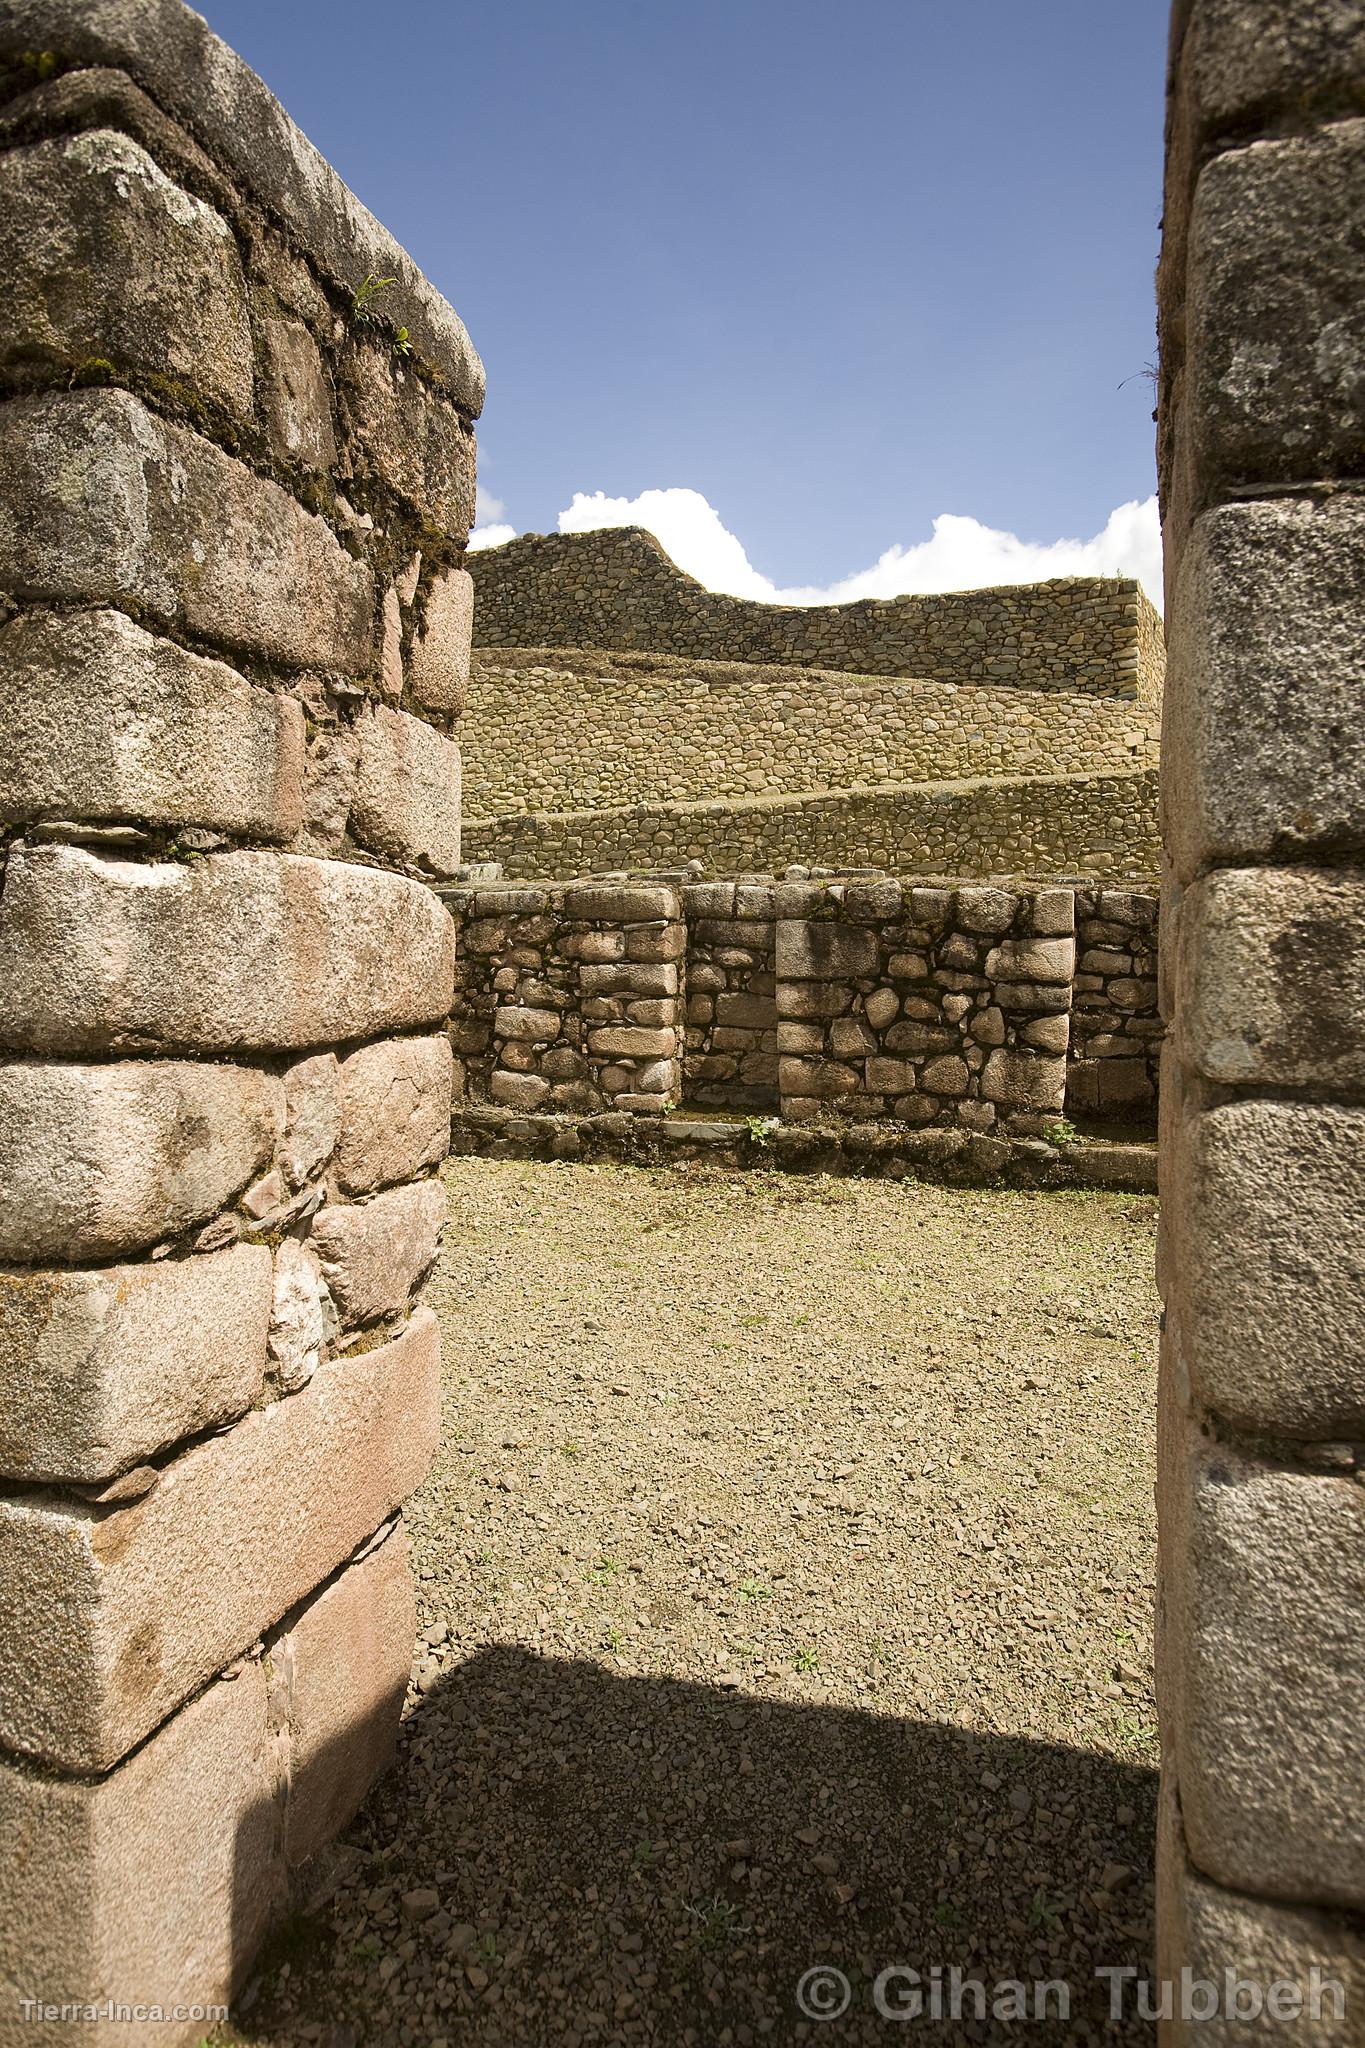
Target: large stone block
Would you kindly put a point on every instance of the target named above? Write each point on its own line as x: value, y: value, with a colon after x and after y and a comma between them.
x: 1262, y: 1663
x: 110, y: 1617
x: 100, y: 1370
x: 239, y: 950
x: 621, y: 902
x: 1300, y: 49
x: 1043, y: 960
x: 409, y: 439
x: 341, y: 1671
x: 438, y: 665
x: 1266, y: 1203
x: 1270, y: 978
x: 374, y: 1254
x: 105, y: 258
x: 808, y: 950
x: 1264, y: 750
x: 407, y: 794
x: 1274, y: 388
x: 152, y: 1886
x: 395, y: 1112
x: 1307, y: 1965
x: 100, y: 1161
x: 102, y: 500
x: 104, y: 721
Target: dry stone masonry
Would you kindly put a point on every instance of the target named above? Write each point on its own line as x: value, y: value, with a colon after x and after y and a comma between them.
x: 877, y: 999
x: 235, y: 639
x: 1262, y: 1413
x: 618, y: 589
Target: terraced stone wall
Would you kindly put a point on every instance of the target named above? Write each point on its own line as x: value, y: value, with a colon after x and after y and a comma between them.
x: 235, y: 641
x: 618, y: 589
x: 1261, y: 1656
x: 571, y: 731
x: 1101, y: 825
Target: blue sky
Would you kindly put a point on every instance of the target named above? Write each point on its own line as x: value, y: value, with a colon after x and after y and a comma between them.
x: 835, y: 271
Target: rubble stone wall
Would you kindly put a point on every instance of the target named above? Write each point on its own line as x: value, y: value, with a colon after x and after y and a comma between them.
x: 571, y: 731
x: 235, y: 640
x: 940, y: 1006
x: 618, y: 589
x: 1261, y: 1657
x: 1041, y: 826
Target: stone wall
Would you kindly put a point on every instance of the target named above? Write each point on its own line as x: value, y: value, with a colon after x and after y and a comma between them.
x: 1116, y: 1028
x: 947, y: 1005
x: 618, y: 589
x: 572, y: 731
x: 731, y: 1058
x: 569, y: 998
x: 1261, y: 1656
x: 235, y: 638
x: 929, y: 1005
x: 1043, y: 826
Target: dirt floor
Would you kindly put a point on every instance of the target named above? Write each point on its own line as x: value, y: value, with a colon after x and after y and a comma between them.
x: 786, y: 1587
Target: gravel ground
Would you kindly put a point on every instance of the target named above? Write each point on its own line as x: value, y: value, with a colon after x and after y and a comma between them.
x: 786, y: 1587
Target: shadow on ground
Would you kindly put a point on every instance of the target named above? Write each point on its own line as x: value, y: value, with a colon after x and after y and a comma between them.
x: 563, y: 1856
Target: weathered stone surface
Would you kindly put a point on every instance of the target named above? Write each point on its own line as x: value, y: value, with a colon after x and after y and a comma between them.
x: 100, y: 1161
x: 1300, y: 49
x: 407, y: 794
x: 395, y: 1111
x: 208, y: 88
x: 139, y: 1604
x: 104, y: 721
x: 1265, y: 750
x: 1263, y: 1663
x: 298, y: 1320
x: 1273, y: 1336
x: 100, y: 1370
x: 343, y: 1669
x: 1274, y: 385
x: 1292, y: 1953
x: 438, y: 665
x: 374, y: 1253
x: 409, y: 438
x: 238, y: 950
x: 1024, y: 1080
x: 312, y: 1116
x: 150, y: 1886
x: 297, y: 395
x: 1270, y: 978
x: 101, y: 499
x: 811, y: 951
x: 105, y: 258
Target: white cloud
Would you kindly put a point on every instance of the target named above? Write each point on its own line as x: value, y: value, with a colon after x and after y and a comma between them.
x: 490, y: 537
x: 487, y: 508
x: 961, y: 553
